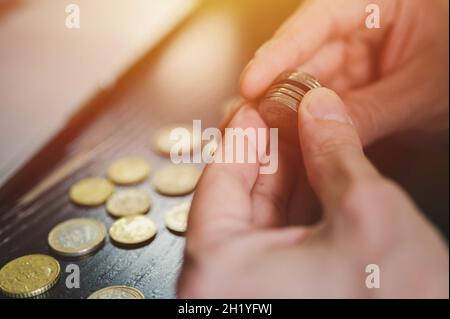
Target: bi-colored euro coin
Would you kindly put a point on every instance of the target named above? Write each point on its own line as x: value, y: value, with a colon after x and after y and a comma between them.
x: 129, y: 202
x: 132, y: 230
x: 29, y: 276
x: 117, y: 292
x: 92, y: 191
x: 176, y: 218
x: 128, y: 171
x: 176, y: 138
x: 77, y: 237
x: 176, y: 180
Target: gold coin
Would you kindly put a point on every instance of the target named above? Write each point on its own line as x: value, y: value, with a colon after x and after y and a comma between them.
x: 184, y: 144
x: 131, y: 170
x: 117, y: 292
x: 29, y: 276
x: 132, y: 230
x: 129, y: 202
x: 176, y: 180
x: 77, y: 237
x: 92, y: 191
x: 176, y: 218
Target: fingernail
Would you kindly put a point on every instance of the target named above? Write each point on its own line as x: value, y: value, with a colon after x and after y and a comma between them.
x: 324, y: 104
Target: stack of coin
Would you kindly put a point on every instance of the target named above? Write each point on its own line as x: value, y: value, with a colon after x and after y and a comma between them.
x: 280, y: 104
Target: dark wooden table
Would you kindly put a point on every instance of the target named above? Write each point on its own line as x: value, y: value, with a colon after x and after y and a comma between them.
x: 188, y: 76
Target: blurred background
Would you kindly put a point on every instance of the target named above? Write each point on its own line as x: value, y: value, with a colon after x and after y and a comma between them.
x: 72, y: 100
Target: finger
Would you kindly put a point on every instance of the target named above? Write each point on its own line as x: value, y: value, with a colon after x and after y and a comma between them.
x: 298, y: 39
x: 327, y: 62
x: 231, y: 108
x: 397, y: 102
x: 331, y: 147
x: 222, y: 202
x: 272, y: 192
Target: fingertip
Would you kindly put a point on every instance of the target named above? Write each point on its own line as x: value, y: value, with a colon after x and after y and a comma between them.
x: 325, y: 105
x: 251, y: 82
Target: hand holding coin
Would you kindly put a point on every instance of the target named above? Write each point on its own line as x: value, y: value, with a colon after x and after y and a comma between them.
x: 390, y: 80
x: 246, y: 245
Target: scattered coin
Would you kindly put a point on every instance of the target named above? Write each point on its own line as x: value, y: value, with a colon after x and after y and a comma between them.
x: 92, y: 191
x: 29, y: 276
x: 132, y: 230
x: 77, y: 237
x: 176, y: 218
x: 117, y: 292
x: 185, y: 144
x: 176, y: 180
x: 127, y: 171
x: 129, y: 202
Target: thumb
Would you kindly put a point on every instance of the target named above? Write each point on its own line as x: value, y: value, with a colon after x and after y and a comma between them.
x: 331, y: 148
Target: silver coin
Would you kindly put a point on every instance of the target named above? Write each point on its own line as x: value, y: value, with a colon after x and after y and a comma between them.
x: 77, y: 237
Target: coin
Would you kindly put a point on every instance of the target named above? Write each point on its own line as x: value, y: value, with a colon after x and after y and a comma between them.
x: 117, y: 292
x: 176, y: 218
x: 280, y: 104
x: 184, y: 145
x: 131, y: 170
x: 176, y: 180
x: 77, y: 237
x: 29, y: 276
x: 92, y: 191
x: 129, y: 202
x: 132, y: 230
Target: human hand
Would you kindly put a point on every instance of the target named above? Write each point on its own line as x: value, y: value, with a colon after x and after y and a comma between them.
x: 391, y: 79
x: 239, y: 243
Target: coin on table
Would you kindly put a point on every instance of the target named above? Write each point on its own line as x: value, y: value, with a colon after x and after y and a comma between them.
x: 176, y: 218
x: 77, y: 237
x: 183, y: 140
x: 176, y: 180
x: 117, y: 292
x: 29, y: 276
x: 127, y: 171
x: 132, y: 230
x: 92, y: 191
x: 129, y: 202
